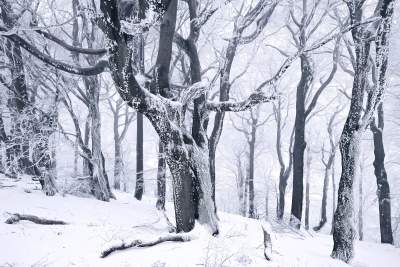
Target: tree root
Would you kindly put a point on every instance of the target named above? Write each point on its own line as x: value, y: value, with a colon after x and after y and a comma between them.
x: 142, y: 244
x: 25, y: 217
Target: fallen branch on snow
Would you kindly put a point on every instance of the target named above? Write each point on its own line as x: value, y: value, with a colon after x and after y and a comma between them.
x: 15, y: 217
x: 142, y: 244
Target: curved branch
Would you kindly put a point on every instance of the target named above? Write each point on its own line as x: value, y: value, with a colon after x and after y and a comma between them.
x: 89, y: 51
x: 254, y: 99
x: 86, y: 71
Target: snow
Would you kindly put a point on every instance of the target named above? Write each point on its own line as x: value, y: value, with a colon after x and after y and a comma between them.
x: 95, y: 225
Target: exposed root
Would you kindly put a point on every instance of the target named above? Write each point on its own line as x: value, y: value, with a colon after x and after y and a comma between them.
x: 24, y: 217
x: 142, y: 244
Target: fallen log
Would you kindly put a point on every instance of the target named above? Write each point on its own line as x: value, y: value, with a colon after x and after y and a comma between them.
x: 141, y: 243
x: 16, y: 217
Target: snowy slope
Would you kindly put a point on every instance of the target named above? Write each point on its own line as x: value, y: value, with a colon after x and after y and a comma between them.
x: 94, y: 225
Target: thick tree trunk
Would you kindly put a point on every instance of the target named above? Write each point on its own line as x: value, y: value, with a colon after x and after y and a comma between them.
x: 139, y: 188
x: 383, y: 189
x: 299, y: 142
x: 161, y: 178
x: 100, y: 185
x: 343, y: 230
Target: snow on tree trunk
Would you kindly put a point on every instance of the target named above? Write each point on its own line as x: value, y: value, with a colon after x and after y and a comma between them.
x: 161, y: 178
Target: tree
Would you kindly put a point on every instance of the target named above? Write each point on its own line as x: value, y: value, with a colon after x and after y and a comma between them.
x: 122, y: 118
x: 261, y: 14
x: 187, y: 153
x: 383, y: 190
x: 284, y: 171
x: 328, y: 164
x: 359, y: 117
x: 301, y: 36
x: 249, y: 129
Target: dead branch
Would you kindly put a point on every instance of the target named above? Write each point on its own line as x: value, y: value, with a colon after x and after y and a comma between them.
x: 35, y: 219
x: 141, y: 244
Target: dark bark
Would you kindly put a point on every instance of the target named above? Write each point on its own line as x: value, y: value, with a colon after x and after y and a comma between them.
x: 383, y: 189
x: 142, y: 244
x: 139, y: 189
x: 299, y: 141
x: 284, y: 171
x: 35, y: 219
x: 328, y: 164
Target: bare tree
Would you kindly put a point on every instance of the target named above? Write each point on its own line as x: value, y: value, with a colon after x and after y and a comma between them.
x: 284, y: 172
x: 301, y: 35
x: 249, y: 128
x: 383, y: 190
x: 187, y: 154
x: 328, y: 162
x: 359, y: 117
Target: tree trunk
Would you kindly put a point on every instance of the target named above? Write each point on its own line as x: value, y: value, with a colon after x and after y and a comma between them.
x: 118, y: 165
x: 360, y: 204
x: 100, y: 185
x: 307, y: 215
x: 383, y: 189
x: 299, y: 142
x: 252, y: 144
x: 76, y: 157
x: 139, y: 188
x: 161, y: 178
x: 333, y: 193
x: 343, y: 232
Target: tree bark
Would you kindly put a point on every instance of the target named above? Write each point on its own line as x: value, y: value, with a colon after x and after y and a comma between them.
x: 383, y: 188
x: 307, y: 211
x: 343, y: 231
x: 299, y: 141
x: 161, y: 178
x: 360, y: 204
x: 252, y: 144
x: 139, y: 188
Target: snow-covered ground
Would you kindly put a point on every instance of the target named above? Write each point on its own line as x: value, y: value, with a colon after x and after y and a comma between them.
x: 95, y: 225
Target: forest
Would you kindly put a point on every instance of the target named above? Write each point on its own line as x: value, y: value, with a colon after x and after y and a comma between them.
x: 199, y: 133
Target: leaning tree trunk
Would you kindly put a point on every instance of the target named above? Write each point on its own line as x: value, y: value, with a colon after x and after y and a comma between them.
x: 299, y: 141
x: 383, y: 189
